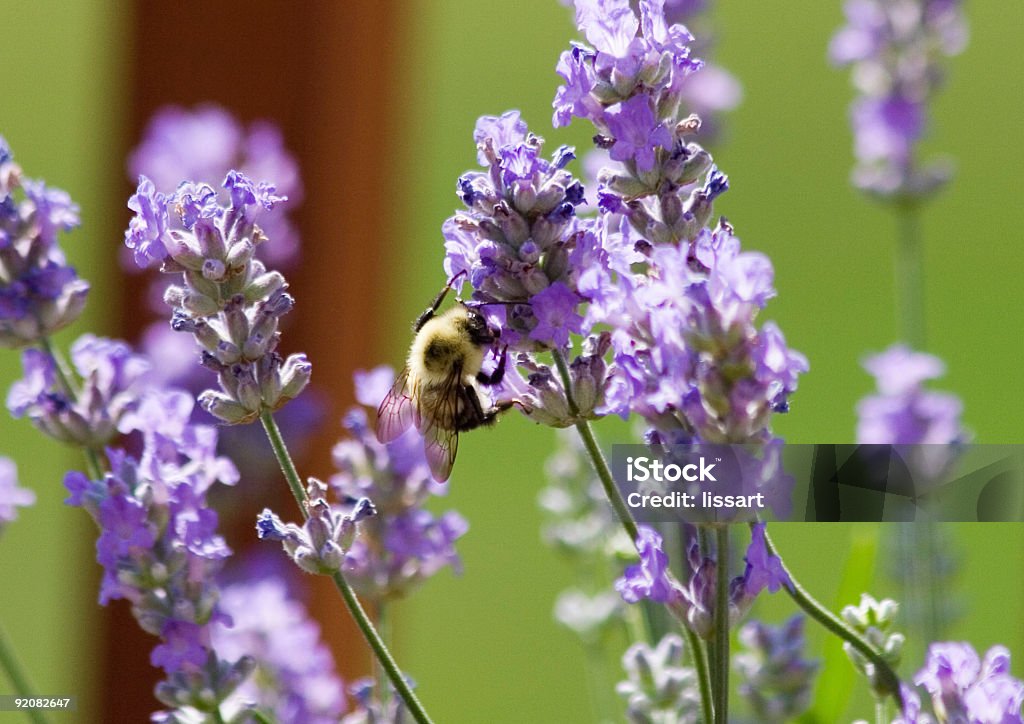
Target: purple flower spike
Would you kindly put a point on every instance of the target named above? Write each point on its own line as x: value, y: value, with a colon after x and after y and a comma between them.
x: 227, y: 300
x: 896, y: 50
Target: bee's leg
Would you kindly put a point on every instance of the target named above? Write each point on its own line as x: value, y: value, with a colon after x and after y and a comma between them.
x: 430, y: 311
x: 476, y: 416
x: 499, y: 372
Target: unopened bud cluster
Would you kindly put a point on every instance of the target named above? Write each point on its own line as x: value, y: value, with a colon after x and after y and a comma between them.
x: 874, y: 620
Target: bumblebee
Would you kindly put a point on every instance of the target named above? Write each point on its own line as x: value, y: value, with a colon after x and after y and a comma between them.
x: 439, y: 389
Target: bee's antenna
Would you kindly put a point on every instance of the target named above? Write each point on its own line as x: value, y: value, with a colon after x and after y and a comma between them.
x: 490, y: 304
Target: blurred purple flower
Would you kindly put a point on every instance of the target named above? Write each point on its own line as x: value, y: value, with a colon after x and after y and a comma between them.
x: 403, y: 544
x: 777, y: 680
x: 204, y: 144
x: 11, y: 496
x: 903, y: 412
x: 962, y: 687
x: 39, y: 292
x: 295, y: 678
x: 895, y: 50
x: 113, y: 378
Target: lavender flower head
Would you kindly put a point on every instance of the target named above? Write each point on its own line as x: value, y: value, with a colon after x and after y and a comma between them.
x: 516, y: 240
x: 204, y: 144
x: 924, y: 424
x: 688, y: 355
x: 776, y: 678
x: 651, y: 579
x: 159, y: 546
x: 39, y: 292
x: 403, y: 544
x: 294, y: 680
x: 963, y: 687
x: 113, y: 378
x: 895, y: 49
x: 11, y: 496
x: 227, y: 300
x: 902, y: 411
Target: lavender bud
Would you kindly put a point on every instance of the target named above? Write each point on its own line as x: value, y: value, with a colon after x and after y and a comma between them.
x: 263, y: 286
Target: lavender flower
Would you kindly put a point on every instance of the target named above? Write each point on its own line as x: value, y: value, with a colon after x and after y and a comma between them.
x: 624, y: 64
x: 204, y: 144
x: 403, y: 544
x: 228, y: 301
x: 688, y: 356
x: 159, y: 547
x: 895, y: 51
x: 651, y: 578
x: 113, y: 377
x: 516, y: 239
x: 11, y: 496
x: 659, y: 688
x: 962, y: 687
x: 320, y: 544
x: 39, y: 292
x: 294, y: 680
x: 903, y: 412
x: 776, y: 678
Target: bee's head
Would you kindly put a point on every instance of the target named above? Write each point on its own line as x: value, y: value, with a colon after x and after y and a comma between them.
x: 477, y: 329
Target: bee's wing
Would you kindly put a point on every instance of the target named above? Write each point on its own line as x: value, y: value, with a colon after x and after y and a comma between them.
x: 396, y: 411
x: 439, y: 427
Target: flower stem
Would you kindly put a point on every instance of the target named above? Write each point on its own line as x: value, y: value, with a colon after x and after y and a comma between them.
x: 910, y: 278
x: 604, y: 473
x: 722, y: 626
x: 362, y: 620
x: 881, y: 716
x: 19, y: 680
x: 833, y: 623
x: 284, y: 459
x: 700, y: 664
x: 611, y: 491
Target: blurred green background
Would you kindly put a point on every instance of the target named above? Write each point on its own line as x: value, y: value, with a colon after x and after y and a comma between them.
x: 483, y: 647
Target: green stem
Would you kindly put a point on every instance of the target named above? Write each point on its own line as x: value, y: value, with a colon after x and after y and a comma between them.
x: 722, y: 626
x: 611, y: 491
x: 700, y: 665
x: 881, y: 716
x: 380, y: 650
x: 597, y: 458
x: 384, y: 628
x: 284, y: 459
x: 837, y: 626
x: 19, y: 680
x: 910, y: 278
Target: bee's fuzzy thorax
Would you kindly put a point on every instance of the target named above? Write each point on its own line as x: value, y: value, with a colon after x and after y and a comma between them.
x: 443, y: 342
